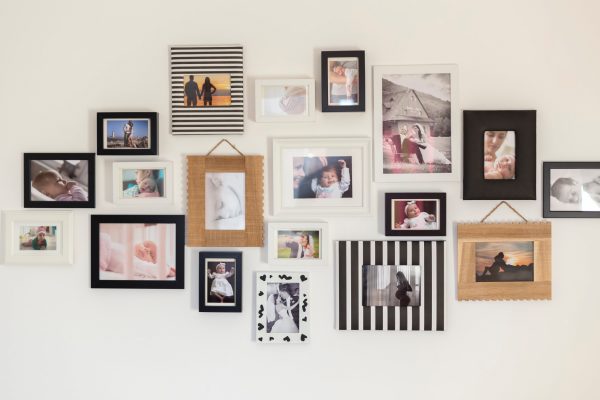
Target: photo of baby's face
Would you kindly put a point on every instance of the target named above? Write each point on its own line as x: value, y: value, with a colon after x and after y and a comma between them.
x: 569, y: 193
x: 412, y: 211
x: 499, y: 159
x: 328, y: 178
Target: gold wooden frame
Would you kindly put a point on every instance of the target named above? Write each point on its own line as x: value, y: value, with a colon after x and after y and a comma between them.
x: 252, y: 235
x: 538, y: 232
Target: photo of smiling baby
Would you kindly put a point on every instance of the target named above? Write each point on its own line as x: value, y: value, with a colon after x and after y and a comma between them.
x: 415, y: 214
x: 322, y: 177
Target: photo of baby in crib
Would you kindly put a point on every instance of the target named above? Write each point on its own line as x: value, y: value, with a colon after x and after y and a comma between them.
x: 220, y: 282
x: 143, y: 183
x: 131, y: 251
x: 59, y: 180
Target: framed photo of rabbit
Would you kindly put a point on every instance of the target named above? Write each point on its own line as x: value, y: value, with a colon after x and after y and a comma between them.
x: 415, y: 214
x: 225, y: 201
x: 220, y: 281
x: 416, y: 123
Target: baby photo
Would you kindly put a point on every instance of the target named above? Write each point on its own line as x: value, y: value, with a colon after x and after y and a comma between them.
x: 391, y: 285
x: 574, y: 189
x: 136, y: 251
x: 278, y: 101
x: 343, y: 78
x: 499, y: 160
x: 207, y: 90
x: 37, y: 237
x: 127, y: 134
x: 282, y: 309
x: 415, y: 214
x: 142, y: 183
x: 59, y: 180
x: 220, y: 282
x: 504, y: 262
x: 225, y: 201
x: 322, y: 177
x: 298, y: 244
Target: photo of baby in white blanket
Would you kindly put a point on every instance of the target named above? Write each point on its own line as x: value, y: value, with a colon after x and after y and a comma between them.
x: 415, y: 214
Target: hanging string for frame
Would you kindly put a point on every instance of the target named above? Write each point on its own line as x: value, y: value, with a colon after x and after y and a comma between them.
x: 229, y: 143
x: 509, y: 206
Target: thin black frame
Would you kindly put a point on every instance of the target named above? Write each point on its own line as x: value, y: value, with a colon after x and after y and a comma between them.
x: 29, y: 157
x: 178, y: 220
x: 152, y: 116
x: 439, y: 196
x: 325, y: 55
x: 237, y: 255
x: 547, y: 166
x: 475, y: 123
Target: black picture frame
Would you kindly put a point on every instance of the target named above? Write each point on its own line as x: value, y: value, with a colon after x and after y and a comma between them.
x: 153, y: 134
x: 178, y: 220
x: 28, y: 158
x: 475, y: 123
x: 429, y: 196
x: 325, y: 106
x: 547, y: 167
x: 205, y: 281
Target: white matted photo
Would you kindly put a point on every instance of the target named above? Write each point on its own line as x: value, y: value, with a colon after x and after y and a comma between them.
x: 416, y: 123
x: 298, y: 243
x: 225, y: 201
x: 38, y: 237
x: 574, y: 189
x: 321, y: 176
x: 285, y: 100
x: 137, y: 183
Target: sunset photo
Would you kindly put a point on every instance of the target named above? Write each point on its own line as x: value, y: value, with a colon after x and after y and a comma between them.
x: 207, y: 90
x: 504, y: 262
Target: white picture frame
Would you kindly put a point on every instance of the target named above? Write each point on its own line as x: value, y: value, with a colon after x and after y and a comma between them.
x: 167, y: 183
x: 290, y: 193
x: 59, y: 239
x: 322, y: 246
x: 286, y: 102
x: 287, y: 324
x: 400, y: 114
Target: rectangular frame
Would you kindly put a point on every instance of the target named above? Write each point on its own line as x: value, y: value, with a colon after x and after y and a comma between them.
x: 204, y: 256
x: 379, y: 175
x: 178, y: 220
x: 441, y: 218
x: 324, y: 244
x: 468, y: 235
x: 325, y: 55
x: 64, y: 247
x: 475, y: 123
x: 546, y: 187
x: 118, y: 167
x: 29, y: 157
x: 263, y: 278
x: 207, y: 60
x: 252, y: 235
x: 283, y: 204
x: 259, y: 84
x: 153, y: 134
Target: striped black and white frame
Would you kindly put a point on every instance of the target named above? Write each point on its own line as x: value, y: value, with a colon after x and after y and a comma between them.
x: 207, y: 60
x: 351, y: 255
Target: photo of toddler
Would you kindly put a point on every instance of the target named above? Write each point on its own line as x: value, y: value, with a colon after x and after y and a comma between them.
x: 221, y: 290
x: 37, y: 237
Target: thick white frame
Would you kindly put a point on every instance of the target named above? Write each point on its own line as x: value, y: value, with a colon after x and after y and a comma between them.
x: 259, y: 84
x: 118, y: 167
x: 455, y: 135
x: 261, y: 307
x: 322, y: 227
x: 283, y: 201
x: 64, y: 241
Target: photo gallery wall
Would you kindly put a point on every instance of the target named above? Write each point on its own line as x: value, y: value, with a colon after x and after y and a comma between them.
x: 394, y: 284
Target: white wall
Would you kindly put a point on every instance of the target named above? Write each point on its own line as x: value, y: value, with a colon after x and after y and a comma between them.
x: 62, y: 61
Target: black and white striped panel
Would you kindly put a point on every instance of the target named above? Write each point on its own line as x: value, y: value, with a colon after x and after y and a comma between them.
x: 352, y: 255
x: 206, y: 60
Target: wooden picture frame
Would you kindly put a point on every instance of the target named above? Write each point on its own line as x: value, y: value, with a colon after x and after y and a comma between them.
x: 357, y: 60
x: 148, y: 126
x: 415, y: 226
x: 519, y: 126
x: 582, y: 176
x: 220, y: 302
x: 204, y: 227
x: 501, y: 236
x: 291, y: 107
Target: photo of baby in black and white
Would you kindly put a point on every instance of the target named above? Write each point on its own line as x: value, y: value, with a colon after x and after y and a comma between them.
x: 225, y: 199
x: 575, y: 190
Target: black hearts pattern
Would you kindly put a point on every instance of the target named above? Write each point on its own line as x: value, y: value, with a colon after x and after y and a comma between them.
x: 271, y: 338
x: 263, y: 277
x: 260, y: 339
x: 286, y: 339
x: 303, y: 337
x: 285, y: 277
x: 303, y: 278
x: 304, y: 305
x: 305, y: 319
x: 261, y: 310
x: 261, y: 293
x: 260, y: 326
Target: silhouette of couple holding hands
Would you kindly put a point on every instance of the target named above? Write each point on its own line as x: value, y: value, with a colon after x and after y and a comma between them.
x: 193, y: 92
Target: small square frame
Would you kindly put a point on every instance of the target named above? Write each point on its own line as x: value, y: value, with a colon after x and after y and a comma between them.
x: 119, y: 167
x: 548, y: 166
x: 259, y: 84
x: 440, y: 218
x: 324, y: 244
x: 152, y: 135
x: 204, y: 256
x: 325, y: 55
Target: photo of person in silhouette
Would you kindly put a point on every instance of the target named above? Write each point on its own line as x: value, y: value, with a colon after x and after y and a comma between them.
x: 391, y: 285
x: 504, y: 262
x: 212, y: 90
x: 208, y: 89
x: 192, y: 92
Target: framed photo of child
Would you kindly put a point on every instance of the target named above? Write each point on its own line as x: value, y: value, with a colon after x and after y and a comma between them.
x: 127, y: 134
x: 571, y: 189
x: 38, y: 237
x: 415, y: 214
x: 342, y: 81
x: 59, y: 180
x: 220, y: 281
x: 321, y: 176
x: 138, y: 251
x: 500, y: 155
x: 136, y: 183
x: 298, y: 243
